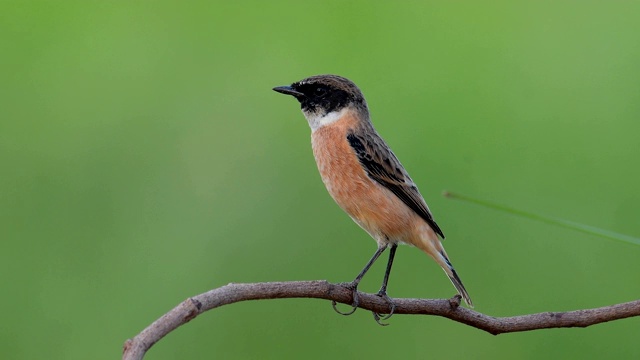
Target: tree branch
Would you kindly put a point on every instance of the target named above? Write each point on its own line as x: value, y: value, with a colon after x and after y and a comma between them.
x: 449, y: 308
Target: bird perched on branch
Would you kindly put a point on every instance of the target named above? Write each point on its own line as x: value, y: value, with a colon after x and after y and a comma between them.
x: 365, y: 178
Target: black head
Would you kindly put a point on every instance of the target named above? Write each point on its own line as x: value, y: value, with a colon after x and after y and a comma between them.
x: 323, y: 94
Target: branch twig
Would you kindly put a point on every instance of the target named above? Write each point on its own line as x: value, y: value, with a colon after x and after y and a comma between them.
x: 136, y: 348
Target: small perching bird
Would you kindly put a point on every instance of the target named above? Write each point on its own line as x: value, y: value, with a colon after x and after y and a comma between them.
x: 365, y: 178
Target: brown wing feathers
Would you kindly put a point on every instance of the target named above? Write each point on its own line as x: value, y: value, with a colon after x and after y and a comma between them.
x: 383, y: 167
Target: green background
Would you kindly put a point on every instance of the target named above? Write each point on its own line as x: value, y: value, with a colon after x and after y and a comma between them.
x: 145, y: 159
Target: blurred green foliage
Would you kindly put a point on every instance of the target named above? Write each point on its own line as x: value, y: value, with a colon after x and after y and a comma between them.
x: 145, y: 159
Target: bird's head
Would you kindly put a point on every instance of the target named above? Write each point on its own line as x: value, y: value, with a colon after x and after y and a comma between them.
x: 323, y: 97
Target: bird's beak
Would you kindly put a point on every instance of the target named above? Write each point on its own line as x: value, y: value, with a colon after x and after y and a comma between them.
x: 288, y: 90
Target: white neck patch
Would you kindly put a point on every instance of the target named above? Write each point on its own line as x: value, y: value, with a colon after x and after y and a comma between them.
x: 317, y: 121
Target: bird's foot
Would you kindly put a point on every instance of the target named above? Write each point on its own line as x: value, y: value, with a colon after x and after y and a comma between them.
x: 353, y: 286
x: 379, y: 317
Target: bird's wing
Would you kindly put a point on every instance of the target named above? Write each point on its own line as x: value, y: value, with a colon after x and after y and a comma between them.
x: 382, y: 166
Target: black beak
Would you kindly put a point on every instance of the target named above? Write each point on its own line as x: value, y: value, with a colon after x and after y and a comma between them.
x: 288, y: 90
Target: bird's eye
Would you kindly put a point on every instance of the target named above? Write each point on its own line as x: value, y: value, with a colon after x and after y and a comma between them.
x: 320, y: 90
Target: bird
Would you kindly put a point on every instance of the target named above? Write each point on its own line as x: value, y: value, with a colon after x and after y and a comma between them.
x: 366, y: 179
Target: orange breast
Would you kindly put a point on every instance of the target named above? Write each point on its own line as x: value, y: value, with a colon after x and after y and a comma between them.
x: 372, y: 206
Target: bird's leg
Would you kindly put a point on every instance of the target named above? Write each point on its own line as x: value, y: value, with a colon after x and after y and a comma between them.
x: 354, y: 284
x: 383, y: 289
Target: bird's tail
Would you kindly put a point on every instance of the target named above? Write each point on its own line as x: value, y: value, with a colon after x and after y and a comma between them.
x: 431, y: 245
x: 453, y: 276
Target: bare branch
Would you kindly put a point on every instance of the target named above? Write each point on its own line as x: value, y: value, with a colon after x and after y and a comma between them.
x: 449, y: 308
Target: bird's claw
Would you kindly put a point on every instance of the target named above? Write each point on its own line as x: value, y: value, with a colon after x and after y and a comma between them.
x: 356, y: 301
x: 378, y: 317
